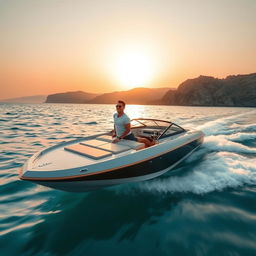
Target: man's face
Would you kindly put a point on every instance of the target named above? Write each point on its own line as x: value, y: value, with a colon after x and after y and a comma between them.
x: 119, y: 107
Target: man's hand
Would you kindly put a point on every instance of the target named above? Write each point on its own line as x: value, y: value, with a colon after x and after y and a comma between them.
x: 113, y: 133
x: 115, y: 140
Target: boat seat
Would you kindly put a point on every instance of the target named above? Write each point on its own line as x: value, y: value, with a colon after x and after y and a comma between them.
x: 107, y: 138
x: 115, y: 148
x: 93, y: 143
x: 132, y: 144
x: 88, y: 151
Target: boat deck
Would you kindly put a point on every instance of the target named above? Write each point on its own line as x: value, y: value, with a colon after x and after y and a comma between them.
x: 83, y: 152
x: 98, y: 148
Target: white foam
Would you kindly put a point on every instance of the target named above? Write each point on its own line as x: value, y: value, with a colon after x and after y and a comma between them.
x: 247, y: 128
x: 213, y: 127
x: 227, y: 125
x: 219, y: 171
x: 239, y: 137
x: 221, y: 143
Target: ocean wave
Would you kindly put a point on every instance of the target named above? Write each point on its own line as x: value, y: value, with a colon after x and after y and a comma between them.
x: 91, y: 123
x: 225, y: 125
x: 10, y: 113
x: 247, y: 128
x: 221, y: 143
x: 23, y: 227
x: 219, y: 171
x: 240, y: 137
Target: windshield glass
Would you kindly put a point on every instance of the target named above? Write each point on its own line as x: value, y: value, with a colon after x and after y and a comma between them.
x: 160, y: 128
x: 173, y: 129
x: 149, y: 123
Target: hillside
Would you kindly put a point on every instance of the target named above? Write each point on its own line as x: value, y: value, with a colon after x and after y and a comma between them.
x: 27, y: 99
x: 237, y: 91
x: 70, y: 97
x: 134, y: 96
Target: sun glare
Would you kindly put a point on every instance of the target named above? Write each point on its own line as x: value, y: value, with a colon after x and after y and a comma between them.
x: 133, y: 68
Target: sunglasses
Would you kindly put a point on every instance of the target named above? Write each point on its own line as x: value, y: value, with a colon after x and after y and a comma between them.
x: 118, y: 106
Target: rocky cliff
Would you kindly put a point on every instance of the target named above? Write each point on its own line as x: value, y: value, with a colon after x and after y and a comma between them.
x: 238, y: 91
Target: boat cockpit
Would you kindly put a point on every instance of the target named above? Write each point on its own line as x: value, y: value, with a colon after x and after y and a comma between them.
x: 154, y: 129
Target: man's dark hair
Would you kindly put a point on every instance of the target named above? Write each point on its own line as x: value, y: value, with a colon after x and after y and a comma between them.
x: 122, y: 102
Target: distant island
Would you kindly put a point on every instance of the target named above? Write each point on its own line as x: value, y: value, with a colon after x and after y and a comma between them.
x: 140, y: 96
x: 70, y: 97
x: 232, y: 91
x: 27, y: 99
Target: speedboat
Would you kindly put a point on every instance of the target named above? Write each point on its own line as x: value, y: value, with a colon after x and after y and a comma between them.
x: 94, y: 162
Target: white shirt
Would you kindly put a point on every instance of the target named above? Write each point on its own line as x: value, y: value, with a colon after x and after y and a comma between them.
x: 120, y: 123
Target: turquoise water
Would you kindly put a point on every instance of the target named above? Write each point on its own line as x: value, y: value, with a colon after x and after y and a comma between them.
x: 206, y: 207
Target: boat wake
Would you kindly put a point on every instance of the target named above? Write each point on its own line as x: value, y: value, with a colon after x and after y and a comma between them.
x: 225, y: 160
x: 217, y: 172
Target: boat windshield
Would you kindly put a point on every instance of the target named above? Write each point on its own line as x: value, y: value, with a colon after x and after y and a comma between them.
x: 165, y: 128
x: 173, y: 129
x: 135, y: 123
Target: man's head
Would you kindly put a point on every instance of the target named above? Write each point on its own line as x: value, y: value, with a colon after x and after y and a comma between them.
x: 120, y: 106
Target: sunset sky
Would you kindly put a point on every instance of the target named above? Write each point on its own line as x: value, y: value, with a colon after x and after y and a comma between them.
x: 51, y: 46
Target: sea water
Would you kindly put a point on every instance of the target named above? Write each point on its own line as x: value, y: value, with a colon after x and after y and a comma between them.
x: 207, y: 206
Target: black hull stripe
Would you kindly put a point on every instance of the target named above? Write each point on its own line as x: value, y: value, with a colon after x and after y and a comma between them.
x: 143, y: 168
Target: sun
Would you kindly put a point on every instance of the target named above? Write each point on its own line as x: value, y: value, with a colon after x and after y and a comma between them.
x: 133, y: 68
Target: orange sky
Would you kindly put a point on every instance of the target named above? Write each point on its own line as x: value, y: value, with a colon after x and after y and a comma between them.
x: 100, y: 46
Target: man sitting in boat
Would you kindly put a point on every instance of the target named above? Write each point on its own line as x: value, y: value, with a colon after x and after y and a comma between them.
x: 122, y: 127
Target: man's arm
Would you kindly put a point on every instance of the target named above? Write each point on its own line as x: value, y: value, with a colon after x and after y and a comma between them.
x: 127, y: 130
x: 113, y: 132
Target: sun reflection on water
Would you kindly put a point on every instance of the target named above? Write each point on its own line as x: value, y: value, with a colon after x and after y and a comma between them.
x: 135, y: 111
